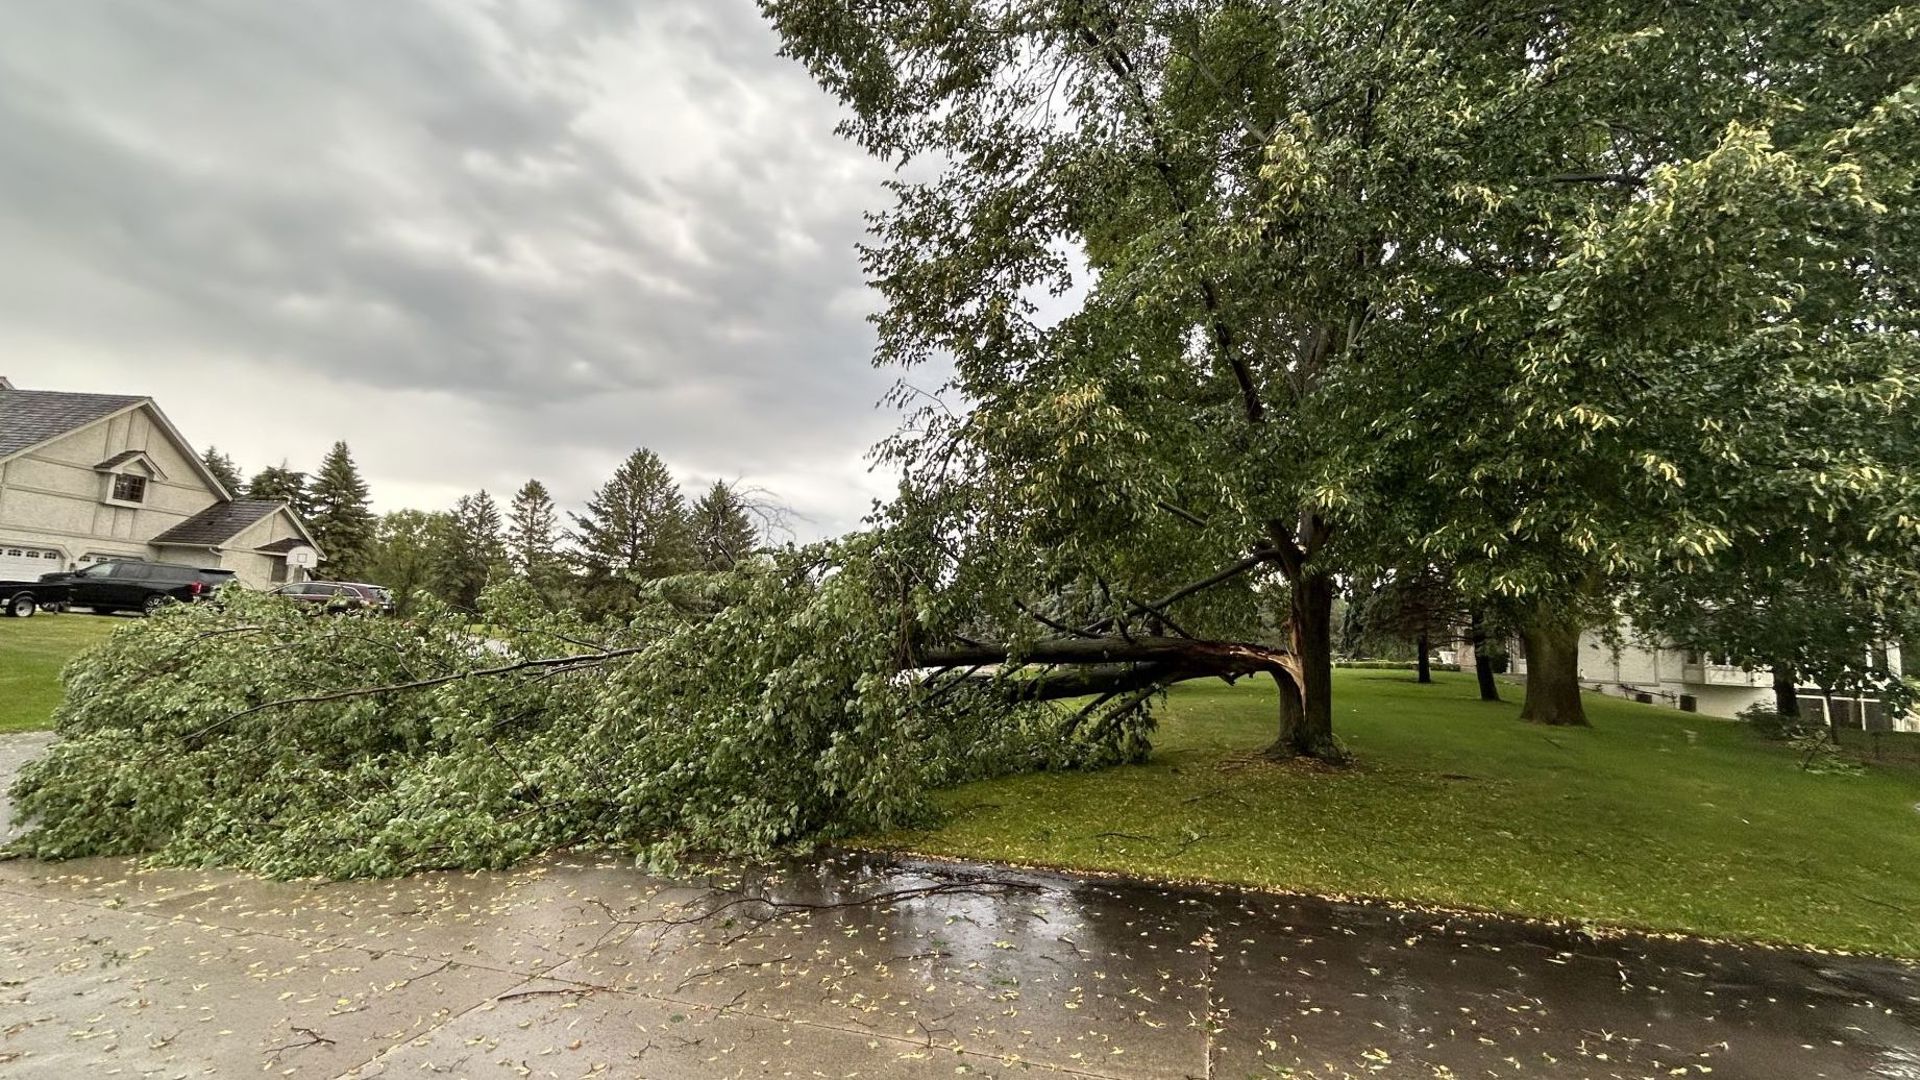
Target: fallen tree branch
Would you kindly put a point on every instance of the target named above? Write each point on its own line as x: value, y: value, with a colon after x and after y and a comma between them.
x: 576, y: 660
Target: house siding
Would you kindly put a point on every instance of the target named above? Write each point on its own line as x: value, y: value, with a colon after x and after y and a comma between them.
x: 254, y: 569
x: 51, y: 496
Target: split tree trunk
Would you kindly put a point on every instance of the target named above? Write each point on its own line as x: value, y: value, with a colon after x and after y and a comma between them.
x: 1306, y: 723
x: 1553, y: 674
x: 1786, y: 696
x: 1425, y: 665
x: 1482, y: 663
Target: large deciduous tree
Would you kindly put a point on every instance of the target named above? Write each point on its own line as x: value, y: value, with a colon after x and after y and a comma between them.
x: 1306, y: 226
x: 405, y: 557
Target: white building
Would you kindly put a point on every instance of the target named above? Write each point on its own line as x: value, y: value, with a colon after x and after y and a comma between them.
x: 1645, y: 672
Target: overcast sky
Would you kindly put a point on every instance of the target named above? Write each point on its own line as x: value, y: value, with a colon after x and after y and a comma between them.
x: 480, y: 241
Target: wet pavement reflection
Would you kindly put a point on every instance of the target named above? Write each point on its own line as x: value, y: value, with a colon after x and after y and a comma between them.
x: 858, y: 965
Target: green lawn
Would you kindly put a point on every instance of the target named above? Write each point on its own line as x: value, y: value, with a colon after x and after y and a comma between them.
x: 1652, y: 819
x: 32, y: 652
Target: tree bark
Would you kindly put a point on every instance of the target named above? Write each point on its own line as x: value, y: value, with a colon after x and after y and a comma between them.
x: 1786, y: 696
x: 1425, y: 665
x: 1553, y: 674
x: 1306, y: 724
x: 1482, y: 663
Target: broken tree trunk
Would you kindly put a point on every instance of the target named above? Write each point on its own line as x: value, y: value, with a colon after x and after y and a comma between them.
x: 1306, y: 722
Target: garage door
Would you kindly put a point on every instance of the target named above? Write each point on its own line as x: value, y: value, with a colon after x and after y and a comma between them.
x: 27, y: 563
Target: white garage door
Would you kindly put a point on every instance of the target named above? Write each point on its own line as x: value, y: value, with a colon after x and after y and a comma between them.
x: 27, y: 563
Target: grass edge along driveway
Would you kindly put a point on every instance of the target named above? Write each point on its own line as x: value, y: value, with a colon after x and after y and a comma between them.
x: 1653, y: 819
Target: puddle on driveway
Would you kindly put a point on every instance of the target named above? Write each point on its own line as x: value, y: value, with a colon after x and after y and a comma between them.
x: 854, y: 965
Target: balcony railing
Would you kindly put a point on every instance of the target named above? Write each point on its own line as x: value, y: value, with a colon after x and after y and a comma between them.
x: 1723, y: 675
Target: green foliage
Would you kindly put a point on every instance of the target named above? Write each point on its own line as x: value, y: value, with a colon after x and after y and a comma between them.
x: 278, y: 483
x: 533, y: 536
x: 1769, y: 723
x: 1555, y: 296
x: 338, y: 514
x: 735, y: 713
x: 223, y: 470
x: 405, y: 557
x: 723, y: 532
x: 469, y: 549
x: 1820, y: 755
x: 634, y: 529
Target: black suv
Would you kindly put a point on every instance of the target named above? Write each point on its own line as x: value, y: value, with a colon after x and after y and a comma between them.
x: 137, y: 586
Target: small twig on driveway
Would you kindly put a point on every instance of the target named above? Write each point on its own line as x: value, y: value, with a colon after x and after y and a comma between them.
x: 734, y: 966
x: 313, y: 1037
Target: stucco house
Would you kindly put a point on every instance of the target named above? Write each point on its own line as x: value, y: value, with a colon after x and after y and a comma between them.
x: 91, y: 477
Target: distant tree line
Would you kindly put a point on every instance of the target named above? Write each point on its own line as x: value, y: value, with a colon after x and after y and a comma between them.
x: 637, y: 527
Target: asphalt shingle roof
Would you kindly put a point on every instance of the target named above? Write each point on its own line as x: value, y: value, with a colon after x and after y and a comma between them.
x: 31, y: 417
x: 118, y: 460
x: 217, y: 523
x: 281, y: 547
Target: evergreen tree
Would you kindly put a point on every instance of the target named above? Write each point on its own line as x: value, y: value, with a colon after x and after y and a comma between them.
x: 278, y: 483
x: 469, y: 549
x: 223, y: 470
x: 338, y: 514
x: 533, y: 534
x: 723, y: 534
x: 635, y: 527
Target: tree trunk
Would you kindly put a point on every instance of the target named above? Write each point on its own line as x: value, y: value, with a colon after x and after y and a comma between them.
x: 1482, y: 663
x: 1306, y: 724
x: 1786, y: 698
x: 1553, y: 674
x: 1425, y: 666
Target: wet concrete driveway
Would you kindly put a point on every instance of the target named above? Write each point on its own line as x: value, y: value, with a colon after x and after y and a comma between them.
x: 854, y: 967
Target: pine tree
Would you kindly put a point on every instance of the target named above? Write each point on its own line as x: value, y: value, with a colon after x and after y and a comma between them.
x: 338, y: 514
x: 723, y: 534
x: 278, y: 483
x: 469, y: 550
x: 533, y: 533
x: 635, y: 527
x: 223, y: 470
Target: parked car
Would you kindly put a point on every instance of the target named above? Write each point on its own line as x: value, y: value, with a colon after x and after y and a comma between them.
x: 338, y: 596
x: 107, y: 587
x: 22, y: 598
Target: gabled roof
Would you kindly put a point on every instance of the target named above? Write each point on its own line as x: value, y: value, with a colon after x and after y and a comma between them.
x: 218, y: 523
x: 221, y: 522
x: 31, y: 417
x: 125, y: 457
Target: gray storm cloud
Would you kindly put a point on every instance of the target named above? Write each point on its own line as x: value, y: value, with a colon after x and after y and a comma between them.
x: 479, y: 242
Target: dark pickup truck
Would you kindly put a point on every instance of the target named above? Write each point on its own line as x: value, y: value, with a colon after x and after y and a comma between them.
x: 22, y: 598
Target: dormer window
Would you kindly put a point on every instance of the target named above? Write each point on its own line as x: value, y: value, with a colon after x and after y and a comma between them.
x: 125, y: 478
x: 128, y: 488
